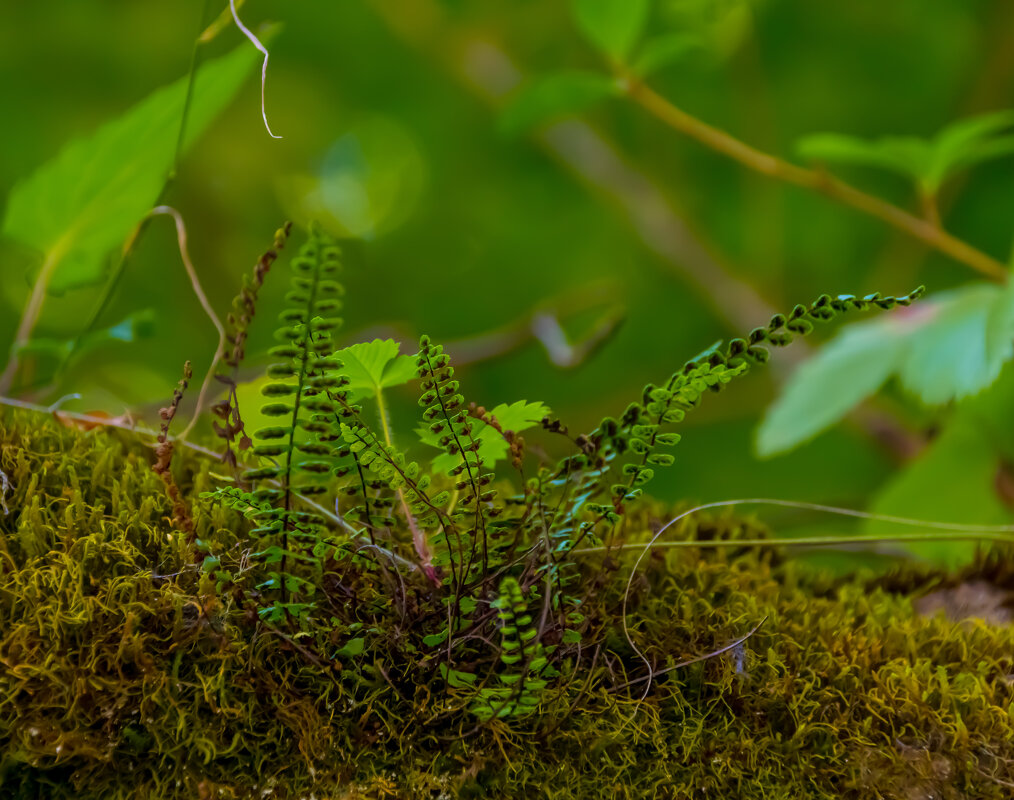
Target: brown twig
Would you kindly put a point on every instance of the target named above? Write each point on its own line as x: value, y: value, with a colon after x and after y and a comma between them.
x: 817, y: 181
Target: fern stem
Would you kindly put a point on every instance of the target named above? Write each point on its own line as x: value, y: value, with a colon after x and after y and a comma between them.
x: 384, y: 422
x: 817, y: 181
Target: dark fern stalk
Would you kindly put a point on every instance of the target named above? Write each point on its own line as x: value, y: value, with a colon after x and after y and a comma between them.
x: 164, y: 456
x: 244, y: 306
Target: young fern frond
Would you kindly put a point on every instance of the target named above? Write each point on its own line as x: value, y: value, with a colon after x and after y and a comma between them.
x: 447, y: 417
x: 639, y: 432
x: 525, y: 666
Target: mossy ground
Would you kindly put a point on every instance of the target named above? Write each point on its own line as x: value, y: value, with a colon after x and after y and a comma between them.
x: 115, y: 683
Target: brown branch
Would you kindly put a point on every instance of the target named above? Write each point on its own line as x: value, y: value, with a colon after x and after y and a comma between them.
x: 814, y: 180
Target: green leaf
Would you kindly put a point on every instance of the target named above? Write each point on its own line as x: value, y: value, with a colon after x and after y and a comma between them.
x: 662, y: 51
x: 373, y: 366
x: 927, y: 162
x: 435, y: 638
x: 352, y: 648
x: 84, y: 202
x: 954, y: 479
x: 847, y: 370
x: 945, y: 349
x: 612, y: 26
x: 132, y: 328
x: 968, y: 142
x: 518, y: 416
x: 950, y: 356
x: 907, y: 156
x: 555, y: 96
x: 456, y: 679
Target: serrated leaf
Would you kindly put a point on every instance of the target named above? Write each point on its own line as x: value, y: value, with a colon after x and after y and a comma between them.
x: 84, y: 202
x: 374, y: 366
x: 518, y: 416
x: 553, y: 97
x: 612, y: 26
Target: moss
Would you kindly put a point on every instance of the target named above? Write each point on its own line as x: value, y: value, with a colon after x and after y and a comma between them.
x: 115, y: 682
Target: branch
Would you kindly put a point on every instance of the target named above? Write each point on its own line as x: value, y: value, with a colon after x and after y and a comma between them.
x: 817, y: 181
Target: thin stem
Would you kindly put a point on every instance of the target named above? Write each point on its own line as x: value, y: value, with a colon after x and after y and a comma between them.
x: 385, y: 426
x: 195, y: 60
x: 202, y: 298
x: 811, y: 541
x: 814, y: 180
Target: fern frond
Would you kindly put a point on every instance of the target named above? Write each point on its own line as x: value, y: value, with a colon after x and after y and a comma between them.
x: 447, y: 417
x: 523, y: 677
x: 244, y: 306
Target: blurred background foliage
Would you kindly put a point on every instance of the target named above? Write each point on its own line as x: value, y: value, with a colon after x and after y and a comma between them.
x: 511, y: 240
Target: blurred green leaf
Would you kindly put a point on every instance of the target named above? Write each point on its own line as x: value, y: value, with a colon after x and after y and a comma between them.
x: 662, y: 51
x: 949, y: 355
x: 907, y: 156
x: 967, y: 142
x: 927, y: 162
x: 374, y: 366
x: 941, y: 350
x: 517, y: 416
x: 955, y: 478
x: 951, y: 481
x: 553, y: 97
x: 847, y: 370
x: 136, y: 326
x: 612, y: 26
x: 83, y: 203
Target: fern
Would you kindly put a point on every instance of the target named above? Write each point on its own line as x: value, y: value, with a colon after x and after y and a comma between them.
x: 639, y: 431
x: 230, y: 425
x: 523, y: 677
x: 440, y: 535
x: 304, y: 370
x: 447, y: 418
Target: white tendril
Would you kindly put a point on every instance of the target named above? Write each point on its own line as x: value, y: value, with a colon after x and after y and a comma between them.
x: 264, y: 66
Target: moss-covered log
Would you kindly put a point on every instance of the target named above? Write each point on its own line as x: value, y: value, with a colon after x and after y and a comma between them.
x: 123, y: 676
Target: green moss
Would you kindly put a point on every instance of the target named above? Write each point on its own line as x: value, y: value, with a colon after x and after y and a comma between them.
x: 117, y: 683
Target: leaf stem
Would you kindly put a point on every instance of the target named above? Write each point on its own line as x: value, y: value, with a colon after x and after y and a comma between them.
x: 817, y: 181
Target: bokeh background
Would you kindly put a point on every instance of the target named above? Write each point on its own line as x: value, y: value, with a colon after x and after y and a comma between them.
x: 390, y: 113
